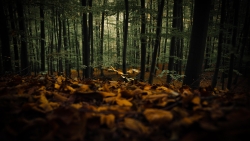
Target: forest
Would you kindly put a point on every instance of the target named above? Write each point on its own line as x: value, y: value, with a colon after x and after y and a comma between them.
x: 125, y: 70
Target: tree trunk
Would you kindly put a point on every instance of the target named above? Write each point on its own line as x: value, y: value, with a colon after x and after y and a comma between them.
x: 6, y: 58
x: 24, y: 51
x: 13, y: 28
x: 235, y: 25
x: 217, y: 66
x: 42, y: 38
x: 143, y: 40
x: 91, y: 38
x: 157, y: 41
x: 174, y: 41
x: 101, y: 44
x: 197, y: 43
x: 125, y: 37
x: 86, y: 48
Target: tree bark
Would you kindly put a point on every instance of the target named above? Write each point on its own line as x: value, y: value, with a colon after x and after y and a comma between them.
x: 197, y: 43
x: 125, y: 37
x: 6, y: 58
x: 24, y: 51
x: 86, y: 48
x: 157, y: 41
x: 143, y: 40
x: 219, y: 51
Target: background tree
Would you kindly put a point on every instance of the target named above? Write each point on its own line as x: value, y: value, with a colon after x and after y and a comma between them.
x: 143, y: 40
x: 197, y: 43
x: 42, y: 37
x: 175, y: 42
x: 218, y: 61
x: 157, y: 41
x: 5, y: 45
x: 125, y: 36
x: 25, y: 70
x: 236, y: 6
x: 86, y: 48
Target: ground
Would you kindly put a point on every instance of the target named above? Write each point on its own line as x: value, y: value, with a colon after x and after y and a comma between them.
x: 46, y: 107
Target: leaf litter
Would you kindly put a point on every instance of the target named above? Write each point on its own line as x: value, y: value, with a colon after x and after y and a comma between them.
x: 58, y: 108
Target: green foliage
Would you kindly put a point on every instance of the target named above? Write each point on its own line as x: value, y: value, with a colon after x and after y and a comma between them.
x: 172, y: 74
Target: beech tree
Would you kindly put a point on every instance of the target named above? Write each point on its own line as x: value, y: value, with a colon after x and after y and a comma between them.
x: 157, y: 40
x: 5, y: 45
x: 197, y: 43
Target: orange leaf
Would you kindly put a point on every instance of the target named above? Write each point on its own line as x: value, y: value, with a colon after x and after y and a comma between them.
x: 109, y: 120
x: 196, y: 100
x: 123, y: 102
x: 135, y: 125
x: 156, y: 116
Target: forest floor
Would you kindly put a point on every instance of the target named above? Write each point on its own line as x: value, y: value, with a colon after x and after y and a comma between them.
x: 52, y: 108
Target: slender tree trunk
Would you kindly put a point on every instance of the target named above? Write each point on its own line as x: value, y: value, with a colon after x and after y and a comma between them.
x: 235, y: 25
x: 13, y: 28
x: 6, y: 58
x: 65, y: 44
x: 218, y: 61
x: 86, y: 48
x: 244, y: 41
x: 42, y: 38
x: 173, y: 41
x: 157, y: 41
x: 143, y: 40
x: 197, y: 43
x: 25, y: 70
x: 76, y: 49
x: 101, y: 44
x: 166, y: 39
x: 118, y: 40
x: 60, y: 44
x: 91, y: 38
x: 125, y: 37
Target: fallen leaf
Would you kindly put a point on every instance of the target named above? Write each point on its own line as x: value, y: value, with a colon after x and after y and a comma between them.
x: 72, y: 90
x: 157, y: 116
x: 135, y: 125
x: 60, y: 79
x: 60, y: 98
x: 76, y: 106
x: 57, y: 86
x: 109, y: 120
x: 106, y: 94
x: 196, y: 100
x: 44, y: 103
x: 123, y: 102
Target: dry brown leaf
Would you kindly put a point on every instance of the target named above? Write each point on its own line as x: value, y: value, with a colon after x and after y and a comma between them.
x: 20, y: 91
x: 83, y: 88
x: 60, y: 98
x: 57, y: 86
x: 106, y: 94
x: 109, y: 120
x: 147, y: 87
x: 113, y: 84
x: 54, y: 105
x: 157, y: 116
x: 76, y: 106
x: 109, y: 99
x: 167, y: 90
x: 42, y: 88
x: 72, y: 90
x: 190, y: 120
x: 154, y: 97
x: 60, y: 79
x: 44, y: 103
x: 123, y: 102
x: 136, y: 126
x: 196, y: 100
